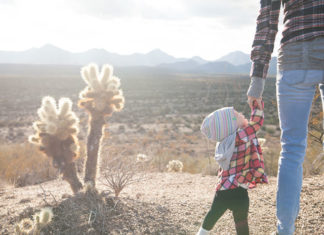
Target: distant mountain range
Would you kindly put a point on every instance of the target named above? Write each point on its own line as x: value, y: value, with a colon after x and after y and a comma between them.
x: 235, y: 62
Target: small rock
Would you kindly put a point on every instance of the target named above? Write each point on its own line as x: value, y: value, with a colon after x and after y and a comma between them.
x: 25, y: 200
x: 65, y: 195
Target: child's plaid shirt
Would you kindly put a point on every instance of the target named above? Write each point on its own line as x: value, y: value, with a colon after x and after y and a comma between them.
x: 246, y: 165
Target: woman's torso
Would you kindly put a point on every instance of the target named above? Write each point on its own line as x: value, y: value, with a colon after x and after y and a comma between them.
x: 303, y: 20
x: 302, y: 55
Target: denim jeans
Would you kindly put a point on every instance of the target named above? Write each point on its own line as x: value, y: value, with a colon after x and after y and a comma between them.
x: 295, y: 91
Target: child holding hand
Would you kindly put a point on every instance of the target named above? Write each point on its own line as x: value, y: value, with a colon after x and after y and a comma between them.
x: 241, y: 162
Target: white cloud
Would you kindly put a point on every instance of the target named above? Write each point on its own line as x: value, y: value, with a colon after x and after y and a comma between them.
x: 233, y: 13
x: 6, y: 2
x: 183, y: 28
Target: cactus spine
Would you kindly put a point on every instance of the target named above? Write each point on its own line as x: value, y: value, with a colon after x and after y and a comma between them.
x: 100, y: 98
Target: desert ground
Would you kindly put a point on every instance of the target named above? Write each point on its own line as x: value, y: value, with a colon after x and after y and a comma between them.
x: 163, y: 203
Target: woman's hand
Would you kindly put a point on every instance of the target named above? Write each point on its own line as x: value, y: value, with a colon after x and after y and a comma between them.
x: 258, y: 100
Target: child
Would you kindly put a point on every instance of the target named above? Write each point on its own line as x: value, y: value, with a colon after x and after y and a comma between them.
x: 240, y: 158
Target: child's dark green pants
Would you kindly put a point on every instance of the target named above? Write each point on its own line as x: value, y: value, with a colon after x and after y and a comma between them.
x: 236, y: 200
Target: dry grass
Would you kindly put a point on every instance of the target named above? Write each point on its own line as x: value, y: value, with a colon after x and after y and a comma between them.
x: 23, y: 164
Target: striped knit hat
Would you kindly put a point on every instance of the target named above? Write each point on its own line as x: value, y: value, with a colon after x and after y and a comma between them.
x: 219, y: 124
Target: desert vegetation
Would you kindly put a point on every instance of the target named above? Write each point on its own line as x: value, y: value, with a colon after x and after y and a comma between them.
x: 100, y: 98
x: 161, y: 118
x: 34, y: 227
x: 56, y: 137
x: 157, y: 131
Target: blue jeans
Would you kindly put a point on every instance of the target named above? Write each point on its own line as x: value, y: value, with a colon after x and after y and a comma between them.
x: 295, y: 92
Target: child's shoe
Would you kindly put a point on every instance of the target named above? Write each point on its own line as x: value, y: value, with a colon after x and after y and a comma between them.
x: 202, y: 231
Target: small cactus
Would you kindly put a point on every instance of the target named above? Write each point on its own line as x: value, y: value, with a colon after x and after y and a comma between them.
x: 56, y: 136
x: 33, y: 227
x: 175, y: 166
x: 25, y: 227
x: 100, y: 98
x: 45, y: 215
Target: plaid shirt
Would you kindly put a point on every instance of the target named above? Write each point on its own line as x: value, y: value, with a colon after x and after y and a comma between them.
x: 303, y: 20
x: 246, y: 166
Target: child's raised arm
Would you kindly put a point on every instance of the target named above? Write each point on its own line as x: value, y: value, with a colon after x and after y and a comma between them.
x: 256, y: 121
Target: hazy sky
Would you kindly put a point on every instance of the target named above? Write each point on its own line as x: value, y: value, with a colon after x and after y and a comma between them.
x: 182, y: 28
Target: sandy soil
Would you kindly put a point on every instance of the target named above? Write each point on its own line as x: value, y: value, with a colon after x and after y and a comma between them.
x: 163, y: 203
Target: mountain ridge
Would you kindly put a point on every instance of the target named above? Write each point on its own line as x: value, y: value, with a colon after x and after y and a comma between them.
x: 236, y: 62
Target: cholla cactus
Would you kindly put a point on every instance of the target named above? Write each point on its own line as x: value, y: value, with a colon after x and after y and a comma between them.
x: 142, y: 158
x: 45, y: 216
x: 41, y: 219
x: 100, y: 98
x: 56, y: 136
x: 33, y: 227
x: 25, y: 227
x: 175, y: 165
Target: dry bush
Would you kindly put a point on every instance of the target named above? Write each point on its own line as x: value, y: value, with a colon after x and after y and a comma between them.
x: 314, y: 159
x: 313, y: 162
x: 23, y: 164
x: 141, y: 158
x: 175, y: 166
x: 194, y: 165
x: 271, y: 157
x: 121, y: 171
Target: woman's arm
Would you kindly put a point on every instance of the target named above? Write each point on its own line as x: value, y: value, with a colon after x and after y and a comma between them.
x: 263, y: 44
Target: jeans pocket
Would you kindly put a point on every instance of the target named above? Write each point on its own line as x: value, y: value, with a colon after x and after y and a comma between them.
x: 291, y: 77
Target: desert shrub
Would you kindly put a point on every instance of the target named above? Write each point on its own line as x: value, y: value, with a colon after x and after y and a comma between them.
x: 23, y: 164
x: 271, y: 131
x: 314, y: 159
x: 121, y: 128
x: 119, y: 172
x: 271, y: 157
x: 191, y: 164
x: 211, y: 169
x: 142, y: 158
x: 318, y: 164
x: 175, y: 166
x: 261, y: 133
